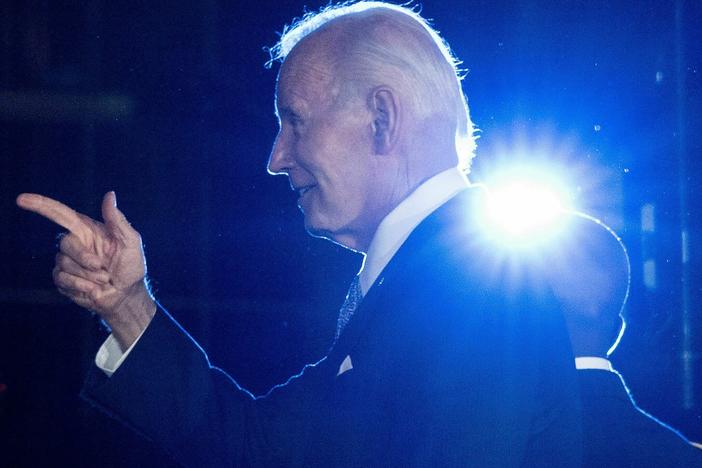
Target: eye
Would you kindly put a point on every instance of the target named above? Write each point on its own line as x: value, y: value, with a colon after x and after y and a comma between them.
x: 297, y: 124
x: 295, y: 120
x: 292, y: 119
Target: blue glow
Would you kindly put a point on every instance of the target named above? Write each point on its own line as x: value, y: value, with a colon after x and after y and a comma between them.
x: 522, y: 207
x: 525, y: 206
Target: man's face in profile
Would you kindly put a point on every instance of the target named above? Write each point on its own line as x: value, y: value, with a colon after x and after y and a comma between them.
x: 324, y: 144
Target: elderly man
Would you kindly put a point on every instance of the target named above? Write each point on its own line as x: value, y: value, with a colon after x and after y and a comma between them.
x: 590, y: 278
x: 437, y: 361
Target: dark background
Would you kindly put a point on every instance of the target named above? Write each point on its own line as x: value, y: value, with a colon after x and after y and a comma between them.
x: 169, y: 104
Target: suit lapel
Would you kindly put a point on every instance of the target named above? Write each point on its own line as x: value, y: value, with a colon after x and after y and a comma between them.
x: 390, y: 281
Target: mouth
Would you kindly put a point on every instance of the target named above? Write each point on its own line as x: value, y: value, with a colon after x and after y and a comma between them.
x: 302, y: 190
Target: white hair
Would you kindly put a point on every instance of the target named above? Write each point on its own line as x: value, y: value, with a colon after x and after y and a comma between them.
x: 394, y: 41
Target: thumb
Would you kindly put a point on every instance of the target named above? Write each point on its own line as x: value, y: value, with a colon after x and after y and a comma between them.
x: 113, y: 217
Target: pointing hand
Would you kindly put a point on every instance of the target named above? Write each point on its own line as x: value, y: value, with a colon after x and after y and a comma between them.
x: 100, y: 266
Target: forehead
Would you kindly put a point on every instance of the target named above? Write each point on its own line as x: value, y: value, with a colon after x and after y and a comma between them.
x: 307, y: 74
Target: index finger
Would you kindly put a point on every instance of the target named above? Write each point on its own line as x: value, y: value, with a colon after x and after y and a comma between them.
x: 51, y: 209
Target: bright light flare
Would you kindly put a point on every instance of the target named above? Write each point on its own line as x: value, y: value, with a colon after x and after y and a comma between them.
x: 522, y: 208
x: 525, y: 207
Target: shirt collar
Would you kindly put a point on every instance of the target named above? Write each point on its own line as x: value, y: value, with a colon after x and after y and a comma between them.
x: 394, y: 229
x: 592, y: 362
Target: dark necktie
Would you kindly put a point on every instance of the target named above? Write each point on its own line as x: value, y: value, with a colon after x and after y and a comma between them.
x: 353, y: 298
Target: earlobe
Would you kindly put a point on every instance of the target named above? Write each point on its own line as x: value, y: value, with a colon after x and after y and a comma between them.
x: 385, y: 109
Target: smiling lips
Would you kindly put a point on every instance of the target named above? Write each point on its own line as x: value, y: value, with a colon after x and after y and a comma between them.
x: 302, y: 190
x: 305, y: 189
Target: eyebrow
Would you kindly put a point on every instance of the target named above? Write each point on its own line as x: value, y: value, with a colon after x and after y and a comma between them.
x: 287, y: 111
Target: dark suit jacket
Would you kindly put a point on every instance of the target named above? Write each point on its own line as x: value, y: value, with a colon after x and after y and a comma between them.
x: 618, y: 434
x: 454, y: 364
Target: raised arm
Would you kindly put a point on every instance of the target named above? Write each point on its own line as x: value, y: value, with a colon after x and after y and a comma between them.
x: 100, y: 265
x: 167, y: 389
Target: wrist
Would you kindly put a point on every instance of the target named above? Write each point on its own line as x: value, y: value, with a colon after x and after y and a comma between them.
x: 132, y: 316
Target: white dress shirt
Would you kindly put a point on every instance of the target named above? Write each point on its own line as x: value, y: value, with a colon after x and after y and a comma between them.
x: 392, y: 231
x: 396, y: 227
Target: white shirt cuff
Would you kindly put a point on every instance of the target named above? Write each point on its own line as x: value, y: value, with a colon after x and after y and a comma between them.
x: 592, y: 362
x: 109, y: 357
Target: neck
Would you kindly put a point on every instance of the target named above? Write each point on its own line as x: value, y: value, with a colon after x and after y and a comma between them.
x: 400, y: 179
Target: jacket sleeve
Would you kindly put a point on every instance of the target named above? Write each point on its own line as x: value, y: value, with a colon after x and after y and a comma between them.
x: 168, y: 391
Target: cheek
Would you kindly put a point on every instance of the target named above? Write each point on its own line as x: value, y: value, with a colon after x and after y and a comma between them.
x: 336, y: 156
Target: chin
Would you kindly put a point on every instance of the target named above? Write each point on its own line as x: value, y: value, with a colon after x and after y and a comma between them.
x: 314, y: 228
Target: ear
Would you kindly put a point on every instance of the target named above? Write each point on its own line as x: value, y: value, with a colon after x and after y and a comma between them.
x: 385, y: 109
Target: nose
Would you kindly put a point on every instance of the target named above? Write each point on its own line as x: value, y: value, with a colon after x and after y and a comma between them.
x: 279, y: 162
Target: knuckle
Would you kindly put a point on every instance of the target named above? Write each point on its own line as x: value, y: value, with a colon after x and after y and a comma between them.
x: 94, y: 295
x: 61, y: 278
x: 61, y: 260
x: 64, y: 241
x: 83, y: 258
x: 66, y: 281
x: 88, y: 260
